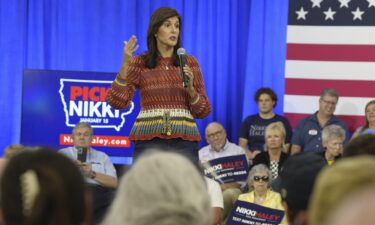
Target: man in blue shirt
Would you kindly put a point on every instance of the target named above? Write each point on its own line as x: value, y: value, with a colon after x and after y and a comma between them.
x: 251, y: 136
x: 97, y: 168
x: 307, y: 136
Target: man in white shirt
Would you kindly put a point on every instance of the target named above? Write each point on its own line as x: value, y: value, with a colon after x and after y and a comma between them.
x: 97, y: 168
x: 219, y: 147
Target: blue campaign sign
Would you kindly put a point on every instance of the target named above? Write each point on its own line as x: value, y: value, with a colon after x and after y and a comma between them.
x: 250, y: 213
x: 227, y: 169
x: 54, y: 101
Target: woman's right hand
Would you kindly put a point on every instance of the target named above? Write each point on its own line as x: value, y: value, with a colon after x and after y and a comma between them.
x: 130, y: 47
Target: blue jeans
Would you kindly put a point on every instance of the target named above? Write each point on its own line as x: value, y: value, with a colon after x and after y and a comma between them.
x: 178, y: 145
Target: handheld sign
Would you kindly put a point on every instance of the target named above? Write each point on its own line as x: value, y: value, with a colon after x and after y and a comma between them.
x: 250, y: 213
x: 227, y: 169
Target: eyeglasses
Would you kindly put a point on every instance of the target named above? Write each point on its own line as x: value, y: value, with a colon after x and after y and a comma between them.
x: 264, y: 178
x: 214, y: 134
x: 85, y: 134
x: 329, y: 102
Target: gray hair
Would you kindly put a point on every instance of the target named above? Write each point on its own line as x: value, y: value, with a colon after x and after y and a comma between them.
x: 330, y: 92
x: 255, y: 169
x: 161, y: 188
x: 333, y: 131
x: 83, y: 124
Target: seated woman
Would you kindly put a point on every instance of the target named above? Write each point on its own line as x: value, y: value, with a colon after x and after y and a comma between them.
x: 369, y: 127
x: 259, y: 184
x: 333, y: 137
x: 274, y: 156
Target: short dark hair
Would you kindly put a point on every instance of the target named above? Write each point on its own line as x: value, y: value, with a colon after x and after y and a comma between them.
x: 329, y: 91
x: 268, y: 91
x: 363, y: 144
x: 156, y: 20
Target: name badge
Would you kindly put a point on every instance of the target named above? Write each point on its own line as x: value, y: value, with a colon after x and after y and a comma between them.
x: 313, y: 132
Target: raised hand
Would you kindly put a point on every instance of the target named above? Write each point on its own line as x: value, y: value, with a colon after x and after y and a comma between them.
x: 130, y: 47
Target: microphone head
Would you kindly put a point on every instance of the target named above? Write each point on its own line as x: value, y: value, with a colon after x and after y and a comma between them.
x: 181, y: 51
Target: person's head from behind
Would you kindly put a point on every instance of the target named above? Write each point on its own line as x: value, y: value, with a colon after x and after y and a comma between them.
x: 337, y: 182
x: 40, y: 186
x: 12, y: 150
x: 357, y: 208
x: 333, y: 137
x: 259, y: 178
x: 82, y: 135
x: 360, y: 145
x: 275, y: 136
x: 369, y: 113
x: 295, y: 182
x: 164, y: 31
x: 161, y: 188
x: 216, y: 136
x: 328, y: 101
x: 266, y: 99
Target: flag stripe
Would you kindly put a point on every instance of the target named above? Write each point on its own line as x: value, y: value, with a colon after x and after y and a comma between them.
x: 336, y: 51
x: 365, y: 53
x: 351, y: 88
x: 341, y: 35
x: 306, y: 104
x: 330, y: 70
x: 353, y: 122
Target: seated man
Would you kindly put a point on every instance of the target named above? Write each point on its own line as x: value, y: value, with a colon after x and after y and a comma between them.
x: 307, y: 136
x: 99, y: 172
x: 253, y: 127
x: 219, y: 147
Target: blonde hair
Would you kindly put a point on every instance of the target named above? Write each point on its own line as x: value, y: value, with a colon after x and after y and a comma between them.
x: 161, y: 188
x: 278, y: 127
x: 338, y: 181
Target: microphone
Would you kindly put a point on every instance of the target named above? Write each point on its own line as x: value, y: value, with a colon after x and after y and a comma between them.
x: 182, y: 57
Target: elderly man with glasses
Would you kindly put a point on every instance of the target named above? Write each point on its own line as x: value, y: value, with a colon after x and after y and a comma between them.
x: 307, y: 137
x: 220, y: 147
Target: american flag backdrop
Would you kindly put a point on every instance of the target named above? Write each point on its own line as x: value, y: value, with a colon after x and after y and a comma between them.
x: 330, y: 43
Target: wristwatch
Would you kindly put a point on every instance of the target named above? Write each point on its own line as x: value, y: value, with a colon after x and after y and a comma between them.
x: 93, y: 174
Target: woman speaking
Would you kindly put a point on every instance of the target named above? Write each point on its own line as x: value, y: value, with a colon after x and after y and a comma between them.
x: 168, y: 108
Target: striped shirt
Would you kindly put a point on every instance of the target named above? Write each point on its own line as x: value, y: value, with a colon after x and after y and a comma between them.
x: 167, y: 110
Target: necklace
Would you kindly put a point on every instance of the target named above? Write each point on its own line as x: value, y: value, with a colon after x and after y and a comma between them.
x: 164, y: 65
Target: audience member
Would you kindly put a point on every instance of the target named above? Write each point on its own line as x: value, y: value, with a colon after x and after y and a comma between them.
x: 12, y: 149
x: 363, y: 144
x: 333, y: 137
x: 100, y: 174
x: 259, y: 189
x: 274, y: 156
x: 220, y: 147
x: 162, y: 188
x: 369, y: 127
x: 216, y: 197
x: 252, y: 128
x: 296, y: 182
x: 308, y: 133
x: 42, y: 187
x: 357, y: 208
x: 337, y: 182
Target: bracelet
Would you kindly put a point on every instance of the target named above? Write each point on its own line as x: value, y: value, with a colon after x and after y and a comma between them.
x: 93, y: 175
x: 120, y: 83
x: 119, y: 80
